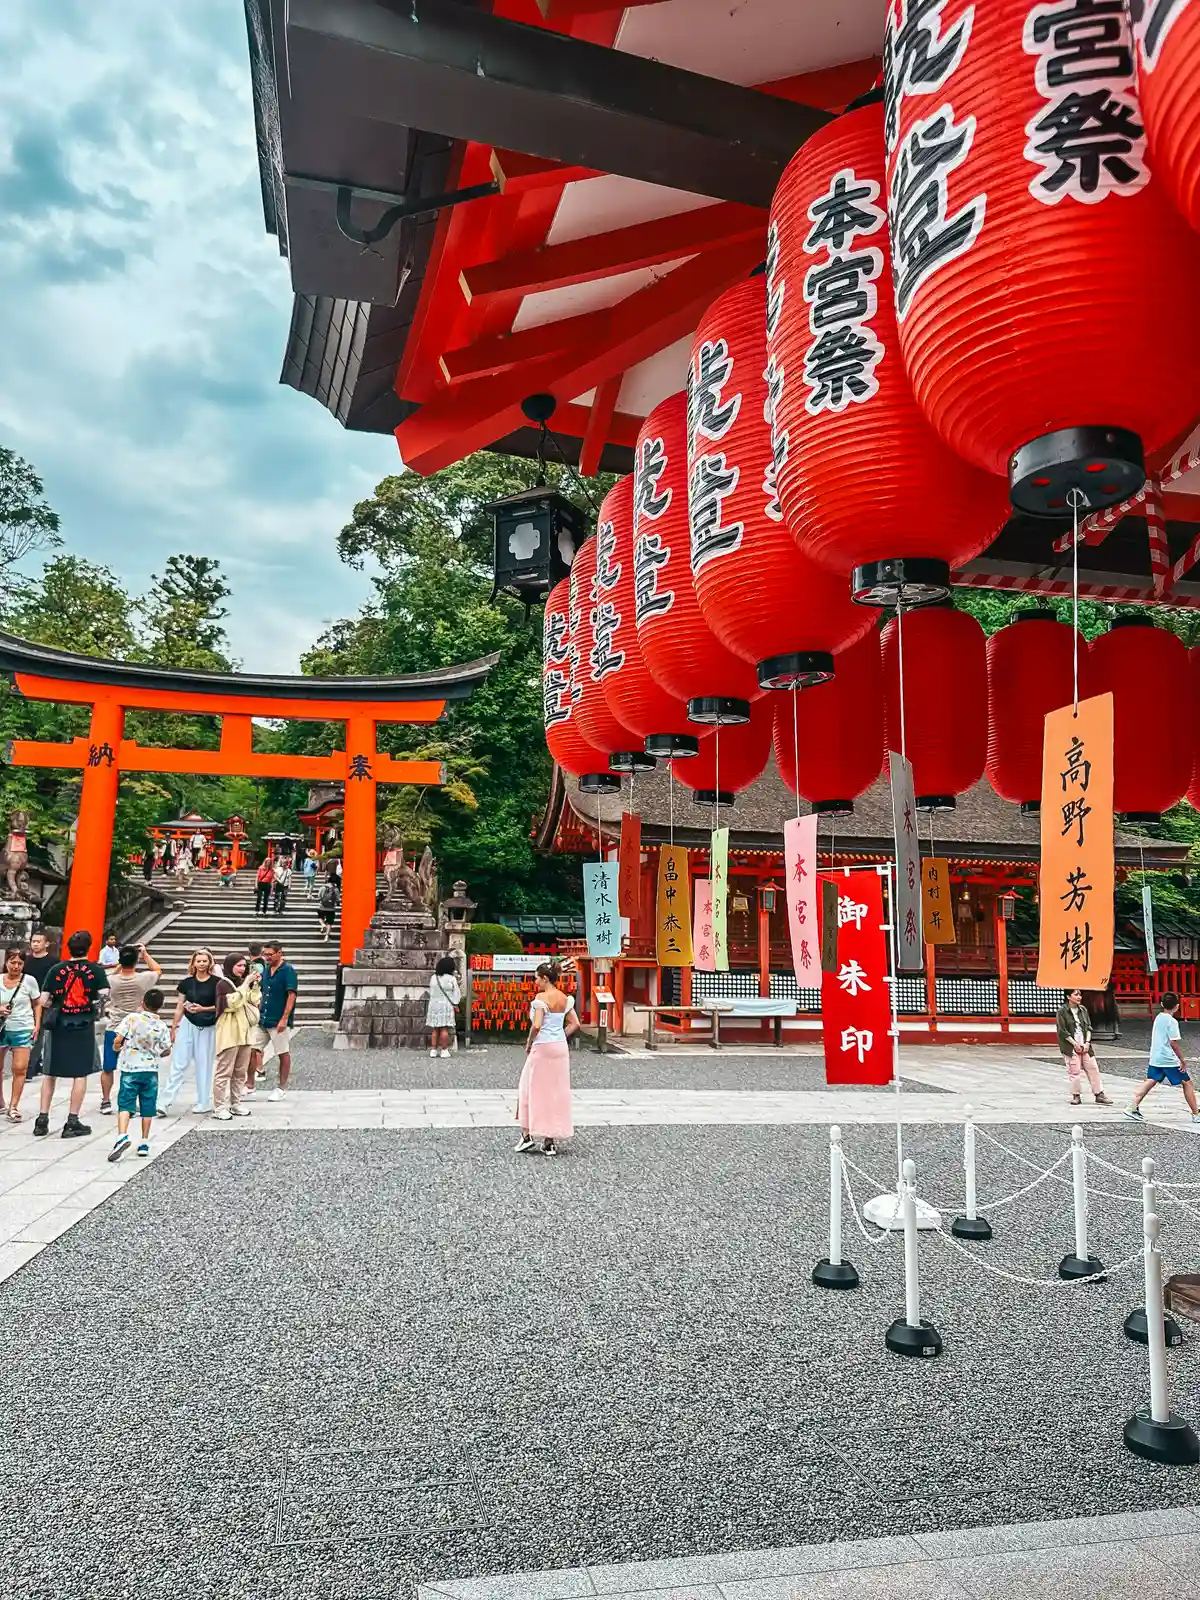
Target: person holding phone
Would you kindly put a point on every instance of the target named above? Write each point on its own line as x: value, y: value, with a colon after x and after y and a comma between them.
x: 193, y: 1032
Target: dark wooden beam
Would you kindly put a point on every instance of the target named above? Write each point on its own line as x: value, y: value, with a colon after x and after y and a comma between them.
x: 466, y: 74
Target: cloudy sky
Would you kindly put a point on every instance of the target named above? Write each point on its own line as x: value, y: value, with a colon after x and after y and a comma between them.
x: 145, y: 311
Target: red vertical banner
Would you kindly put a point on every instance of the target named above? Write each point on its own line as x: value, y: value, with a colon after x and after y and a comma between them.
x: 800, y: 867
x: 856, y: 1007
x: 629, y: 865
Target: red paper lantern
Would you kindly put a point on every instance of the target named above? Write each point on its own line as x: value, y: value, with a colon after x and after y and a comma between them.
x: 564, y: 737
x: 765, y: 601
x: 1030, y: 667
x: 829, y: 741
x: 1168, y: 47
x: 634, y: 698
x: 1147, y: 672
x: 1041, y: 275
x: 731, y: 758
x: 945, y: 701
x: 592, y: 714
x: 864, y: 481
x: 679, y: 647
x: 1193, y: 793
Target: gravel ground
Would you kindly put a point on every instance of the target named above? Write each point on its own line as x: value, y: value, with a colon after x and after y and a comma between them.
x: 316, y: 1065
x: 344, y: 1362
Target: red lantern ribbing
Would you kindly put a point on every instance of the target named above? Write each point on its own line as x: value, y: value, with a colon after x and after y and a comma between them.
x: 634, y: 698
x: 731, y: 758
x: 765, y: 601
x: 1041, y: 275
x: 564, y: 738
x: 679, y: 647
x: 591, y: 711
x: 1147, y: 672
x: 866, y: 485
x: 1193, y: 793
x: 1168, y: 46
x: 944, y: 729
x: 829, y: 741
x: 1030, y: 666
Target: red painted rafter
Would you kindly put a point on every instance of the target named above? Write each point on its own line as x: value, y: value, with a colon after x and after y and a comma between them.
x: 599, y: 424
x: 564, y: 10
x: 472, y: 415
x: 601, y: 255
x: 515, y: 172
x: 499, y: 351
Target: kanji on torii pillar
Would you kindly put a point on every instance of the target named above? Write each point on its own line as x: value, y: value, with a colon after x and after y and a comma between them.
x: 113, y: 687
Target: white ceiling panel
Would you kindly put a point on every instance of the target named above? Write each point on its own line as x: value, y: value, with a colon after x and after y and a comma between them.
x: 654, y: 379
x: 754, y: 41
x: 552, y: 305
x: 599, y: 205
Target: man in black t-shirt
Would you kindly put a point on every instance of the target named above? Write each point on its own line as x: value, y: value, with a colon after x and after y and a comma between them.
x: 74, y: 989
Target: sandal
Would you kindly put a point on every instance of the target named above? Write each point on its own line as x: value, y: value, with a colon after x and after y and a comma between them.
x: 13, y: 1116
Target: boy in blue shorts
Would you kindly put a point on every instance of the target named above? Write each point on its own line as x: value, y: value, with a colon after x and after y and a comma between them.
x: 143, y: 1044
x: 1166, y: 1060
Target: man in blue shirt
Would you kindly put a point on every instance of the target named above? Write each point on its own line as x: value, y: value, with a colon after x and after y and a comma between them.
x: 1166, y: 1060
x: 274, y: 1035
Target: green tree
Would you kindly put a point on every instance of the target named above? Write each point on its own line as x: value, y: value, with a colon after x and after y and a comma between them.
x: 183, y: 615
x: 27, y: 522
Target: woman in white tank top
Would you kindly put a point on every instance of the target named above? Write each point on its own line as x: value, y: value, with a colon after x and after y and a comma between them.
x: 544, y: 1096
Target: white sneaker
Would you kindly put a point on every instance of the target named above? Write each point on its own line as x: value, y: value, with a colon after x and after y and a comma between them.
x: 238, y: 1111
x: 249, y: 1094
x: 222, y: 1114
x: 275, y: 1094
x: 445, y: 1054
x: 433, y: 1054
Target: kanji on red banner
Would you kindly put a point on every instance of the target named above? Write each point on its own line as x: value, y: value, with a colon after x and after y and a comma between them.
x: 856, y: 1007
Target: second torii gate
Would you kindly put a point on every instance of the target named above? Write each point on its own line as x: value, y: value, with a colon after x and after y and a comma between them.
x: 111, y: 688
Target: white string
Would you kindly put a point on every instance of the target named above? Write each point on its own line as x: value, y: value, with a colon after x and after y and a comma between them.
x: 1075, y: 499
x: 671, y: 793
x: 796, y: 744
x: 900, y: 673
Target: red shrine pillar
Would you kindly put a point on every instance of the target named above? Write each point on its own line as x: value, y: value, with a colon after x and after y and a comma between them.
x: 358, y: 835
x: 87, y: 896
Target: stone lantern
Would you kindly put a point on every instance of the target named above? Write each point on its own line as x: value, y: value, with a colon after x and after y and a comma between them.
x: 455, y: 918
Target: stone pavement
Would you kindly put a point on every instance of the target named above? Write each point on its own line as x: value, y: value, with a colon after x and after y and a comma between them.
x: 1129, y: 1556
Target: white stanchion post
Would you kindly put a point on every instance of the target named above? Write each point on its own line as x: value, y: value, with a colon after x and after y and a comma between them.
x: 1157, y: 1434
x: 1081, y: 1263
x: 833, y: 1272
x: 1135, y: 1324
x: 970, y: 1225
x: 911, y: 1336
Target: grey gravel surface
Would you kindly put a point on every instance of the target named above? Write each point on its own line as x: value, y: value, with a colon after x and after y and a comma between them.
x: 316, y: 1065
x: 303, y: 1364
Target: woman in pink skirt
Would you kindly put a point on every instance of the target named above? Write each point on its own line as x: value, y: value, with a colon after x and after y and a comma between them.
x: 544, y: 1098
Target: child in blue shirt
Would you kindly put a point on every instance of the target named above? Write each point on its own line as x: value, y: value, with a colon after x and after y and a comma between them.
x: 1166, y: 1060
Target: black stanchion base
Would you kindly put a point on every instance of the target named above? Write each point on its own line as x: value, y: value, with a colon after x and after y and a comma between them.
x: 971, y: 1228
x: 1171, y: 1443
x: 826, y: 1276
x: 1071, y: 1267
x: 1136, y: 1329
x: 902, y: 1339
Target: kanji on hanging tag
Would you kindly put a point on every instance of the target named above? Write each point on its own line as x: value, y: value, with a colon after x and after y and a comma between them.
x: 629, y: 859
x: 856, y: 1005
x: 720, y: 899
x: 673, y: 908
x: 800, y: 867
x: 910, y: 946
x: 601, y: 915
x: 702, y: 927
x: 937, y: 910
x: 1077, y: 878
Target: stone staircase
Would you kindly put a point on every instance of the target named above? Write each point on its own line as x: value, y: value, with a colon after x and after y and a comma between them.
x: 222, y: 920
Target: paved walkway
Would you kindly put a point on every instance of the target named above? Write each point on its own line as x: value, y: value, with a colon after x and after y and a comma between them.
x: 1127, y: 1557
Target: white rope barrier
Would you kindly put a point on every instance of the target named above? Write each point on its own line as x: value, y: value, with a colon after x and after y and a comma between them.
x: 1036, y: 1283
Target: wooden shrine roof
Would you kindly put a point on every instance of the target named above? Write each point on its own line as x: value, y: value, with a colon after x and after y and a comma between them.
x: 982, y: 828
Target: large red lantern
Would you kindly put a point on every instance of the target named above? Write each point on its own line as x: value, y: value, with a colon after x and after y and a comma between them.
x: 829, y: 740
x: 634, y: 698
x: 865, y: 483
x: 766, y: 601
x: 1030, y: 666
x: 731, y: 758
x: 679, y: 647
x: 592, y: 662
x: 1147, y: 672
x: 1168, y: 46
x: 944, y: 727
x: 1193, y: 793
x: 1041, y: 275
x: 564, y: 738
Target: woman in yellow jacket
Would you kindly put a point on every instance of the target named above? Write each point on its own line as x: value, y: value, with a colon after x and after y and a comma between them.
x: 237, y: 1018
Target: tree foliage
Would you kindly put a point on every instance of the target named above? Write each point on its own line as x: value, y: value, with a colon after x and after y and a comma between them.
x: 27, y: 522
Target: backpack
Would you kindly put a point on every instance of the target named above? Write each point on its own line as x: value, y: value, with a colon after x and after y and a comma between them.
x: 328, y: 897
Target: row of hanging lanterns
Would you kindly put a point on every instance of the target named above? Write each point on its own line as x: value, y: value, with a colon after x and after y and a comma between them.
x: 1168, y: 48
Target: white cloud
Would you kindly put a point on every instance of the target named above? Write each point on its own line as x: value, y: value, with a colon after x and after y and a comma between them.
x: 146, y: 312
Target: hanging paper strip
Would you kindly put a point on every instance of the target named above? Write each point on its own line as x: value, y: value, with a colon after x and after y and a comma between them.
x: 601, y: 916
x: 800, y: 866
x: 856, y: 1008
x: 829, y: 925
x: 673, y: 919
x: 720, y: 898
x: 1076, y: 902
x: 1148, y: 925
x: 629, y: 857
x: 702, y: 927
x: 937, y: 908
x: 910, y: 947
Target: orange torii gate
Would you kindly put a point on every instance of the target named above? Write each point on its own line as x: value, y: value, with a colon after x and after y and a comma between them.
x: 113, y: 687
